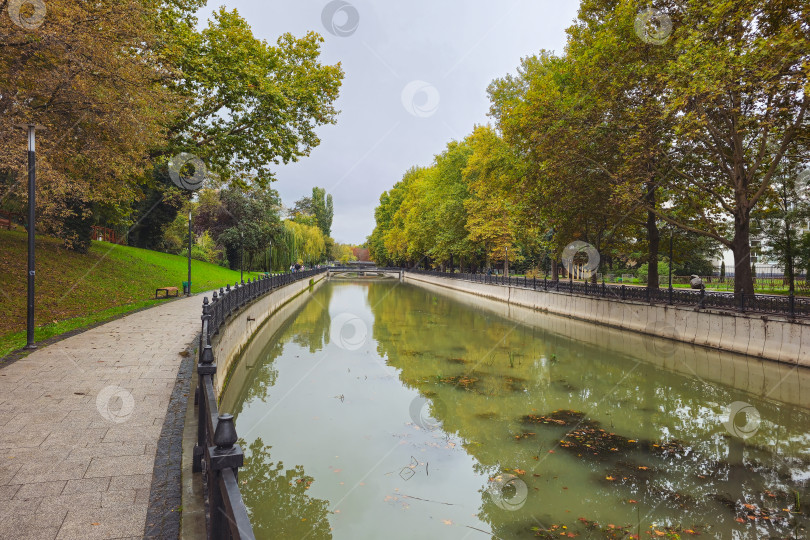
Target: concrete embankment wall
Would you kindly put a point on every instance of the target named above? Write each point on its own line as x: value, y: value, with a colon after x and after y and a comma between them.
x: 762, y: 336
x: 237, y: 333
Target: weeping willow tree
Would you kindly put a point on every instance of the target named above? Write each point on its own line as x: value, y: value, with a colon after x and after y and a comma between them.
x: 297, y: 243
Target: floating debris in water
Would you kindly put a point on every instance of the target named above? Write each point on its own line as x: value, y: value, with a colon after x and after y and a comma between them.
x: 591, y: 439
x: 559, y: 417
x: 461, y: 381
x: 670, y: 448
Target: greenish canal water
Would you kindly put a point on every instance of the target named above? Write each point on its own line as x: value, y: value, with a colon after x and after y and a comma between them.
x: 383, y: 410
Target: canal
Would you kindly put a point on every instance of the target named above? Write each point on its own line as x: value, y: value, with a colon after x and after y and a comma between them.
x: 387, y: 410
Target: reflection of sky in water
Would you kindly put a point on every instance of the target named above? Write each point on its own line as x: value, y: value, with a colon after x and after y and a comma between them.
x: 339, y: 410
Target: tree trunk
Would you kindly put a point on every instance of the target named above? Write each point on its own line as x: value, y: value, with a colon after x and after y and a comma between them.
x: 506, y: 267
x: 653, y: 237
x: 789, y: 259
x: 554, y: 274
x: 654, y: 240
x: 741, y: 246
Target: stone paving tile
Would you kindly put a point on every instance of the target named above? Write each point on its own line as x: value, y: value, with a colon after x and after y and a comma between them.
x: 8, y: 471
x: 21, y: 507
x: 86, y: 485
x: 108, y: 450
x: 48, y: 472
x: 42, y: 489
x: 7, y: 492
x: 123, y: 465
x: 136, y: 481
x: 113, y: 498
x: 71, y: 501
x: 68, y: 468
x: 102, y: 523
x: 33, y: 533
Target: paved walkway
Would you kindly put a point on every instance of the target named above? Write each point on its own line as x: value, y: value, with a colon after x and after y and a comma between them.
x: 80, y: 422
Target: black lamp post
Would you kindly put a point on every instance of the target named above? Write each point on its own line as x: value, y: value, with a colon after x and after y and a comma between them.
x: 671, y: 233
x: 32, y: 192
x: 241, y: 256
x: 188, y: 293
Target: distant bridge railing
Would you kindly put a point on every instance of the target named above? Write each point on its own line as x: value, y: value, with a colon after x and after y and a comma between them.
x: 790, y: 305
x: 216, y: 454
x: 363, y: 269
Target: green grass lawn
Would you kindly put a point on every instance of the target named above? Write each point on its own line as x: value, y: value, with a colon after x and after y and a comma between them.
x: 74, y: 290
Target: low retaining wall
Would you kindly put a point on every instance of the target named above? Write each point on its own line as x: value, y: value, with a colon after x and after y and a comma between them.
x: 238, y: 331
x: 770, y: 337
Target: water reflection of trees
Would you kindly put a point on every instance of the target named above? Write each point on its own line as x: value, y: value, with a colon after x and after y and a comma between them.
x: 277, y: 499
x: 488, y: 372
x: 308, y: 327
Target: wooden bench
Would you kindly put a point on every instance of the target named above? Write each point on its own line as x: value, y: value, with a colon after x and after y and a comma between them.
x: 167, y: 290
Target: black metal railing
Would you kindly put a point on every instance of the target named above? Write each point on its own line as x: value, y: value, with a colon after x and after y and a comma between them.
x: 789, y: 305
x: 216, y: 454
x: 363, y: 269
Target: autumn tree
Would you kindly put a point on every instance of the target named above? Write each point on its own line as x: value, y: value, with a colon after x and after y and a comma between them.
x: 88, y: 73
x: 494, y: 208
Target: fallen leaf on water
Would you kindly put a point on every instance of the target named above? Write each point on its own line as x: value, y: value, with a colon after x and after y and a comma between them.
x: 610, y: 478
x: 632, y: 501
x: 447, y: 522
x: 520, y: 471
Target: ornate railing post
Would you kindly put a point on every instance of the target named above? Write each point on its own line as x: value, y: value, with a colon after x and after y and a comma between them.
x: 205, y: 367
x: 226, y: 454
x: 213, y: 323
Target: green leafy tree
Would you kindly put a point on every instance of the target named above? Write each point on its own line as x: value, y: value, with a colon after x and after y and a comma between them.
x: 737, y: 90
x: 248, y: 105
x: 323, y: 210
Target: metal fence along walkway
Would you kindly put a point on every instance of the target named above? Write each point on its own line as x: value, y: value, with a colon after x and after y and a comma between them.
x: 790, y: 306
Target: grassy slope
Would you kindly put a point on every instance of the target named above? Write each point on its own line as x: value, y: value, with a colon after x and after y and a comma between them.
x: 73, y: 290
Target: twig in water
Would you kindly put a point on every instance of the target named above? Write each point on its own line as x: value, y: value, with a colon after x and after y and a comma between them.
x: 428, y: 500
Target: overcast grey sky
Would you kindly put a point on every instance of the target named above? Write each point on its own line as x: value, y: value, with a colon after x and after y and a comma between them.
x: 416, y: 78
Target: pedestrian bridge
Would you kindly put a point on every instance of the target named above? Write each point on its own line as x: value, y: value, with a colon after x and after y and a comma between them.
x: 352, y: 272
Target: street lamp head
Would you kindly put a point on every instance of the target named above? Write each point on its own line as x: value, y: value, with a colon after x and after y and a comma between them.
x: 31, y: 130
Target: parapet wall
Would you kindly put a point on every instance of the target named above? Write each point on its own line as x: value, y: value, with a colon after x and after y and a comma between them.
x: 762, y: 336
x: 239, y: 329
